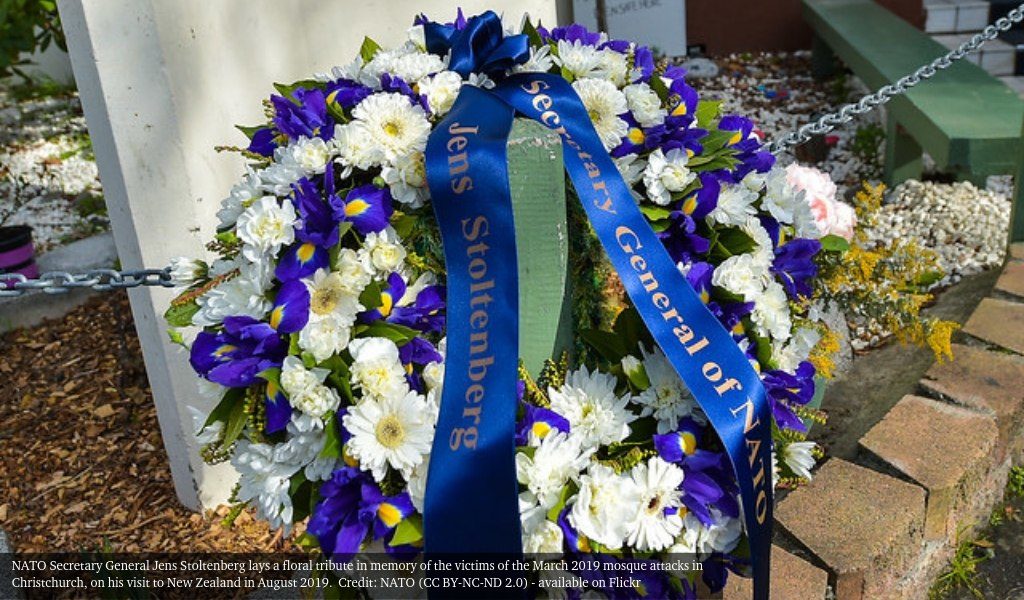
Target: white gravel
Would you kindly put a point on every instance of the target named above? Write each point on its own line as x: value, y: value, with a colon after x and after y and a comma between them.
x: 46, y: 166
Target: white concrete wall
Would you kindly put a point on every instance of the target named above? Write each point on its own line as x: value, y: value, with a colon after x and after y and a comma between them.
x: 164, y: 81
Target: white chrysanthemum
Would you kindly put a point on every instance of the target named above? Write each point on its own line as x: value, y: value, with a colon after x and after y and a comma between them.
x: 376, y: 368
x: 441, y: 91
x: 644, y: 104
x: 306, y: 439
x: 406, y: 61
x: 242, y: 195
x: 578, y: 59
x: 631, y: 167
x: 698, y: 539
x: 596, y: 415
x: 355, y: 147
x: 605, y: 505
x: 656, y: 522
x: 265, y: 227
x: 407, y: 180
x: 789, y: 355
x: 396, y: 125
x: 556, y: 461
x: 667, y: 398
x: 186, y: 271
x: 799, y: 457
x: 355, y: 270
x: 540, y: 61
x: 317, y: 401
x: 612, y: 66
x: 312, y: 154
x: 743, y: 275
x: 264, y: 482
x: 604, y: 103
x: 325, y: 336
x: 667, y: 173
x: 244, y: 295
x: 540, y: 536
x: 780, y: 198
x: 284, y: 171
x: 296, y: 378
x: 735, y: 205
x: 771, y: 312
x: 418, y: 483
x: 385, y: 250
x: 389, y: 431
x: 480, y: 80
x: 764, y: 249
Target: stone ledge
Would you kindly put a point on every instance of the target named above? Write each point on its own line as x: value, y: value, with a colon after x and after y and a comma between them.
x: 998, y: 322
x: 1017, y: 251
x: 793, y: 578
x: 991, y: 382
x: 866, y: 527
x: 1011, y: 281
x: 945, y: 448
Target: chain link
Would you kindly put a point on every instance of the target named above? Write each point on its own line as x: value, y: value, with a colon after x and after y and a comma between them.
x: 59, y: 282
x: 872, y: 101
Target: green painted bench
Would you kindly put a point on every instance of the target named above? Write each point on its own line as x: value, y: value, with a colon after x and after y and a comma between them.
x: 967, y: 120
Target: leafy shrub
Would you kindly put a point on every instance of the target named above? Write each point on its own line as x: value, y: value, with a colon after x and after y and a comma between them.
x: 25, y: 27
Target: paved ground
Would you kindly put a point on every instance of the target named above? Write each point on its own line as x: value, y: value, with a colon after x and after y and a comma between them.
x: 1002, y: 577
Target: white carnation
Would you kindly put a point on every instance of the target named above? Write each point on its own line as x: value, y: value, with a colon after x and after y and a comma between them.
x: 667, y: 173
x: 265, y: 227
x: 644, y: 104
x: 735, y: 205
x: 441, y: 91
x: 771, y: 312
x: 376, y: 368
x: 604, y: 505
x: 385, y: 250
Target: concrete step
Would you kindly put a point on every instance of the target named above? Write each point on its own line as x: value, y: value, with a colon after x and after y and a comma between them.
x: 956, y: 16
x: 997, y: 56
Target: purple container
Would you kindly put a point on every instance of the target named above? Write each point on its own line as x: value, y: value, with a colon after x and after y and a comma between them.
x: 17, y: 254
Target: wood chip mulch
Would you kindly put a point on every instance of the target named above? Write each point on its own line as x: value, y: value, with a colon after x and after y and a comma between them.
x: 82, y: 463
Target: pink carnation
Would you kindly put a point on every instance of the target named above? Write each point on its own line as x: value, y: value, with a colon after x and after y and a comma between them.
x: 830, y: 215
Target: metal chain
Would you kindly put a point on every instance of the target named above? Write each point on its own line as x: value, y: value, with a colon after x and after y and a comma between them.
x: 59, y: 282
x: 868, y: 103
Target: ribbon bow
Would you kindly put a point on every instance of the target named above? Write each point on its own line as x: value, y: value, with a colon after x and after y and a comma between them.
x: 480, y: 46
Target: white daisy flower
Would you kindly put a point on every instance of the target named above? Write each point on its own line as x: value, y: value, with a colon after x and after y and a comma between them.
x: 644, y: 104
x: 556, y: 461
x: 771, y: 312
x: 376, y: 368
x: 799, y: 457
x: 540, y: 536
x: 441, y: 91
x: 385, y: 250
x: 284, y: 171
x: 480, y: 80
x: 596, y: 415
x: 325, y: 336
x: 667, y: 398
x: 265, y: 227
x: 735, y: 205
x: 397, y: 126
x: 780, y: 198
x: 389, y: 431
x: 667, y: 173
x: 406, y: 61
x: 656, y: 522
x: 317, y: 401
x: 604, y: 103
x: 605, y: 505
x: 698, y: 539
x: 355, y: 147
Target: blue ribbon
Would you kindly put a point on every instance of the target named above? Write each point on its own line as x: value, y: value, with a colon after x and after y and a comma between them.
x: 463, y: 486
x: 471, y: 503
x: 480, y: 47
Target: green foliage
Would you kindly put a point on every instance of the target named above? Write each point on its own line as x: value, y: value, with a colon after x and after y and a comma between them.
x: 1015, y: 483
x: 25, y: 27
x: 963, y: 568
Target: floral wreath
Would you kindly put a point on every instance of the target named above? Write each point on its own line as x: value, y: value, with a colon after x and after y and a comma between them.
x: 323, y: 316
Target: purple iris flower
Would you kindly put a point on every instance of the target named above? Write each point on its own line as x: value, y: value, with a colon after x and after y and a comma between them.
x: 458, y: 24
x: 318, y: 225
x: 425, y: 314
x: 573, y: 541
x: 346, y: 93
x: 794, y: 265
x: 389, y: 296
x: 279, y: 410
x: 685, y: 112
x: 785, y: 390
x: 367, y: 207
x: 681, y: 239
x: 702, y: 487
x: 303, y: 115
x: 747, y: 147
x: 352, y: 506
x: 731, y: 315
x: 395, y: 84
x: 263, y: 142
x: 643, y: 59
x: 235, y: 356
x: 571, y: 33
x: 540, y: 421
x: 417, y: 351
x: 291, y: 307
x: 773, y: 228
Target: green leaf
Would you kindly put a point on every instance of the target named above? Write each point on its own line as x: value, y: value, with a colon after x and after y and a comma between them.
x: 300, y: 489
x: 555, y: 510
x: 332, y: 447
x: 655, y: 213
x: 339, y: 375
x: 399, y: 334
x: 609, y: 345
x: 176, y: 338
x: 181, y: 315
x: 707, y: 111
x: 835, y: 243
x: 735, y: 240
x: 658, y: 85
x: 307, y: 541
x: 403, y: 224
x: 250, y: 131
x: 409, y: 531
x: 926, y: 279
x: 716, y: 140
x: 532, y: 34
x: 293, y: 345
x: 369, y: 49
x: 288, y: 89
x: 630, y: 328
x: 236, y: 421
x: 271, y: 375
x: 222, y: 411
x: 370, y: 297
